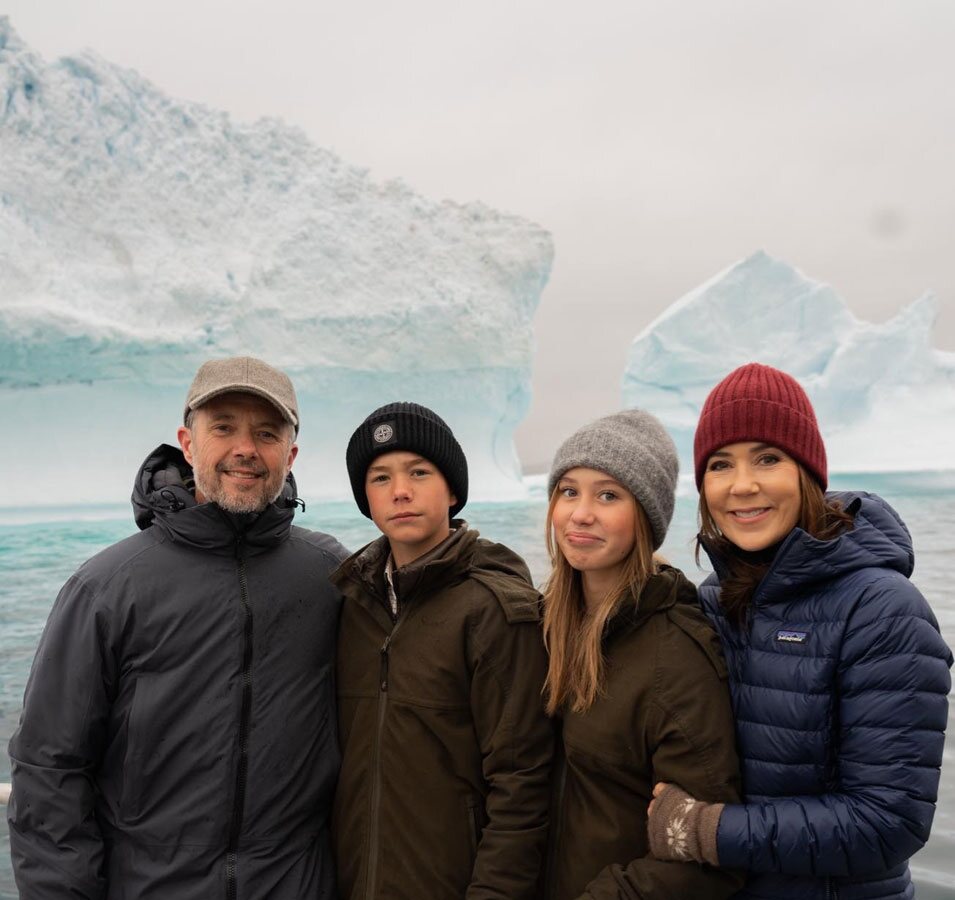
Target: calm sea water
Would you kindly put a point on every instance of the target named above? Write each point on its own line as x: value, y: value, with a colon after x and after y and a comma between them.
x: 40, y: 548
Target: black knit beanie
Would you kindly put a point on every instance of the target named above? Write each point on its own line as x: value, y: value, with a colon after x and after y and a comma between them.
x: 406, y: 426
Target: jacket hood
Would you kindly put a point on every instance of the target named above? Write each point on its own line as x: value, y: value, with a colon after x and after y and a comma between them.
x: 664, y: 590
x: 163, y: 496
x: 669, y: 592
x: 163, y: 485
x: 878, y: 539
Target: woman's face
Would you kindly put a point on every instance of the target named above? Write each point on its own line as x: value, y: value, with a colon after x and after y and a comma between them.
x: 752, y: 493
x: 594, y: 521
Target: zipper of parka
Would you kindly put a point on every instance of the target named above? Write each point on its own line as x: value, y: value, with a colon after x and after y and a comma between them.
x: 373, y: 831
x: 241, y: 774
x: 557, y: 820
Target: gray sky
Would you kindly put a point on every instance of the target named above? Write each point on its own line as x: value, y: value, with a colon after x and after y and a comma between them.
x: 658, y: 142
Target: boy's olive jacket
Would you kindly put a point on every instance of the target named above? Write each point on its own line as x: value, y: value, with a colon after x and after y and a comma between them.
x: 444, y: 786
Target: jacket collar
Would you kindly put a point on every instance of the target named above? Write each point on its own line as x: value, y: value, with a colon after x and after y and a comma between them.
x: 447, y: 562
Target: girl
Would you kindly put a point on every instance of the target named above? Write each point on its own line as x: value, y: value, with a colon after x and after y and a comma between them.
x: 839, y: 674
x: 635, y: 671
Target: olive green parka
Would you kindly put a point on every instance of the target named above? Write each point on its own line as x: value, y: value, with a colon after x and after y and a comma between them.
x: 447, y: 752
x: 665, y: 716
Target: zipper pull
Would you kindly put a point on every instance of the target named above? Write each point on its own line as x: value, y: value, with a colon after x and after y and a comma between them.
x: 383, y: 667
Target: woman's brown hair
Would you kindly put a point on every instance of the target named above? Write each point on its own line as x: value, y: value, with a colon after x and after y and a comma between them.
x: 820, y: 518
x: 572, y: 635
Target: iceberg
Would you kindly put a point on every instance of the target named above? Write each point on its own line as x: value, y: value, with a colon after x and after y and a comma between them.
x: 885, y: 398
x: 141, y: 235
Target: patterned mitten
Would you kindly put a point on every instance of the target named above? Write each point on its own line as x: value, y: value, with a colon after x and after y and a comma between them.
x: 681, y: 828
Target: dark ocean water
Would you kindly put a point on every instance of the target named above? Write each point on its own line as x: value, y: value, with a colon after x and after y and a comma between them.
x: 39, y: 548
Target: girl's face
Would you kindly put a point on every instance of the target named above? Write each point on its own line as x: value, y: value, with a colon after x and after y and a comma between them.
x: 752, y: 493
x: 594, y: 521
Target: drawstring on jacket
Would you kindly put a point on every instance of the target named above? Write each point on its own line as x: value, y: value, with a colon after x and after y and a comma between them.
x: 171, y: 498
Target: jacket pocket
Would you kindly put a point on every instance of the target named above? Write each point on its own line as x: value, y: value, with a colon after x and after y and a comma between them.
x: 132, y: 769
x: 144, y: 760
x: 475, y: 807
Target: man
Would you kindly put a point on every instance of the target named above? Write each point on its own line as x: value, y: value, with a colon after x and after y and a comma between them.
x: 446, y: 748
x: 178, y: 731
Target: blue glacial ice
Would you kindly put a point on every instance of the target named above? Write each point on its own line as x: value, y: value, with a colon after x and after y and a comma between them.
x: 885, y: 398
x: 140, y: 235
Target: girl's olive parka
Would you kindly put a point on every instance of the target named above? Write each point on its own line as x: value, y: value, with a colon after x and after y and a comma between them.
x: 665, y: 716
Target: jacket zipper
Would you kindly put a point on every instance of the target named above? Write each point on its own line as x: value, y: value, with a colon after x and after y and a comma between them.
x: 740, y: 648
x: 238, y: 808
x: 372, y: 876
x: 550, y: 880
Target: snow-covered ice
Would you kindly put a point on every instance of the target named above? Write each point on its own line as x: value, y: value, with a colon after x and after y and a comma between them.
x: 885, y: 398
x: 140, y: 235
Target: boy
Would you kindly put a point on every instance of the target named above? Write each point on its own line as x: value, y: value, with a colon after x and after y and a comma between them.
x: 446, y: 749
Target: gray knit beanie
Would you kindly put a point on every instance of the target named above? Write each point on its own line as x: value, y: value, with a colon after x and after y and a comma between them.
x: 633, y: 447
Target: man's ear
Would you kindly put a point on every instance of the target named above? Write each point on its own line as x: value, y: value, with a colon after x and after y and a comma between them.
x: 292, y: 453
x: 185, y: 441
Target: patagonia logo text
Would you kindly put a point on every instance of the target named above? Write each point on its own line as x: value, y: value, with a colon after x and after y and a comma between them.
x: 792, y: 637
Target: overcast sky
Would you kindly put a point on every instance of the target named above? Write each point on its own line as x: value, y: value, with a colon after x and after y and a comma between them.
x: 658, y: 142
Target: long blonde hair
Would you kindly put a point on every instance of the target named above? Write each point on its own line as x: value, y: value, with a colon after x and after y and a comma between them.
x: 572, y: 635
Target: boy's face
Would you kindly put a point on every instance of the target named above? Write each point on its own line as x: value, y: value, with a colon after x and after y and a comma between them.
x: 409, y: 501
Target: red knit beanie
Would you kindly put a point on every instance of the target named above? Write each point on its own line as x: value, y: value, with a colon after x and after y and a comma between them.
x: 760, y: 403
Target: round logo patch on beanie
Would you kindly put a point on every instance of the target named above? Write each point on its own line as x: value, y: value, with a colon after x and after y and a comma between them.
x: 383, y: 433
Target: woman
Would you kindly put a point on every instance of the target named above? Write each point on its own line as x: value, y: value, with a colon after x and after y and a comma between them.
x: 839, y: 675
x: 635, y: 671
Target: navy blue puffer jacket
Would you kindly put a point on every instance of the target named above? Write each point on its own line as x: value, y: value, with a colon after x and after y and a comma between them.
x: 840, y: 684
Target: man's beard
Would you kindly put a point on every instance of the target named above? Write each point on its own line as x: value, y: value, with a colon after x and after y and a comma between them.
x: 254, y: 500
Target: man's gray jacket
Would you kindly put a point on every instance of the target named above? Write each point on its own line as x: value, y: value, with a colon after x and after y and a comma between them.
x: 178, y: 736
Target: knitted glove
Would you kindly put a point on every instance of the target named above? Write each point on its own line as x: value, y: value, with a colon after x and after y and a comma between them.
x: 681, y: 828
